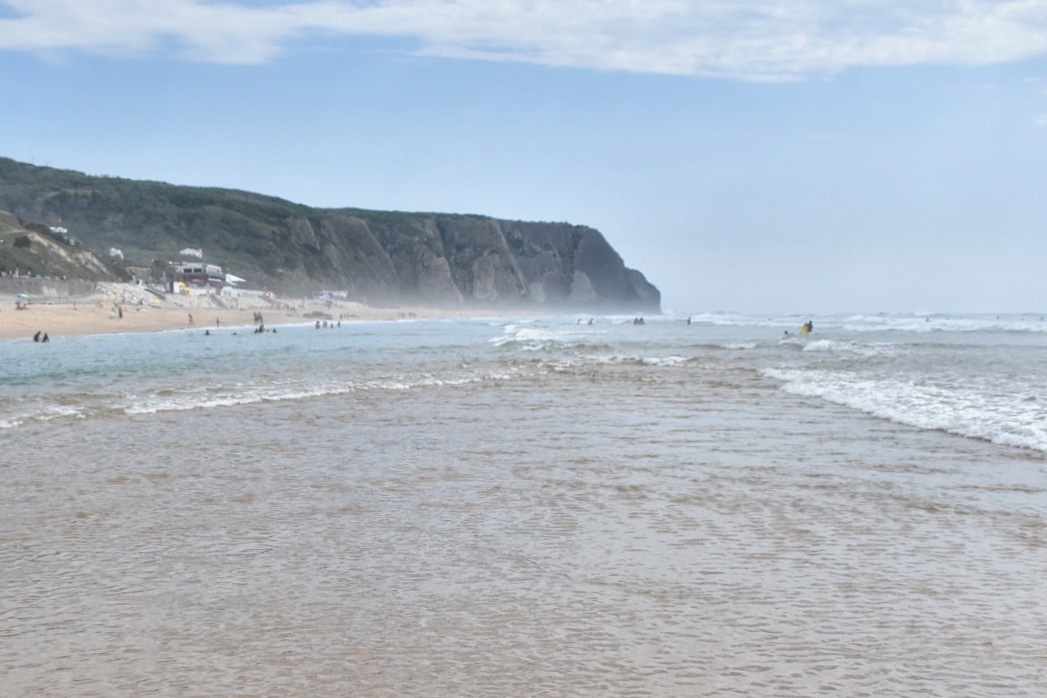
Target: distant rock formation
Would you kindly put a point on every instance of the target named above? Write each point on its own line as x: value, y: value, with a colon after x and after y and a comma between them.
x: 379, y: 257
x: 473, y: 260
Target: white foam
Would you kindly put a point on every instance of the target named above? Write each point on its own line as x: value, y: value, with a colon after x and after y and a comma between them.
x: 881, y: 322
x: 664, y: 360
x: 274, y: 392
x: 48, y: 414
x: 544, y: 337
x: 851, y: 346
x: 959, y: 409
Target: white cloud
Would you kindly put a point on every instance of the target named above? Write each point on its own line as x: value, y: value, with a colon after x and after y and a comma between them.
x: 754, y: 40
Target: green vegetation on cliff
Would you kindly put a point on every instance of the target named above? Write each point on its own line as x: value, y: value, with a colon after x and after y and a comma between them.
x: 32, y: 250
x: 377, y: 256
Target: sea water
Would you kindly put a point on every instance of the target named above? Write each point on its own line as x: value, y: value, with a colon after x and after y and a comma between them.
x: 529, y: 506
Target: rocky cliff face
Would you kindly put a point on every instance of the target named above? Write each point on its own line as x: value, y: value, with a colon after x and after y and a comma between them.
x: 473, y: 260
x: 377, y: 256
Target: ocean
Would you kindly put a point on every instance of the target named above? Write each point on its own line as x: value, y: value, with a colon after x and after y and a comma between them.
x: 529, y: 507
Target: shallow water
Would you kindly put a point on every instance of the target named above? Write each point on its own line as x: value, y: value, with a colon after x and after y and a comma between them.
x: 508, y: 508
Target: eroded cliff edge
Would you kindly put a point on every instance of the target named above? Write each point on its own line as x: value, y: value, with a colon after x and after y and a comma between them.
x: 471, y: 260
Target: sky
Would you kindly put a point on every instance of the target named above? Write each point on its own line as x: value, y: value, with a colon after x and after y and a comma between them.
x: 770, y: 156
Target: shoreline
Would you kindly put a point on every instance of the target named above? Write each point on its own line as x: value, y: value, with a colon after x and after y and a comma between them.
x: 95, y: 315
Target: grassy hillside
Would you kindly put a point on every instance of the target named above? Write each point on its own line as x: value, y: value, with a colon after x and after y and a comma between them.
x: 152, y: 220
x: 247, y: 234
x: 375, y: 256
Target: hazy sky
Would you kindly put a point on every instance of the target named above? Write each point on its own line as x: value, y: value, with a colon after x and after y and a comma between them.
x: 755, y: 155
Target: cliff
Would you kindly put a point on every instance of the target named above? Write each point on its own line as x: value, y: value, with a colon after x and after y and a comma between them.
x: 380, y: 257
x: 35, y: 249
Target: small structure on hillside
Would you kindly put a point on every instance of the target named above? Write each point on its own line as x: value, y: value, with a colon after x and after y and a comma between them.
x: 62, y: 235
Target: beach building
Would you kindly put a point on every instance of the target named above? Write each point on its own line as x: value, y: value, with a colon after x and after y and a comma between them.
x: 198, y: 274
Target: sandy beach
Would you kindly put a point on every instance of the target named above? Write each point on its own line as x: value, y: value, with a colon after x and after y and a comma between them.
x: 125, y: 308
